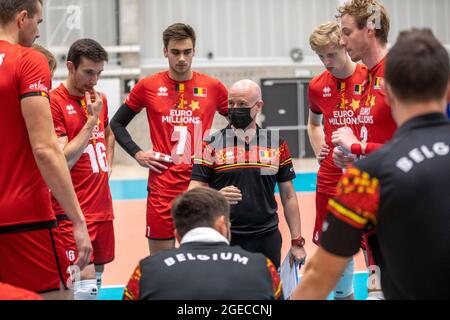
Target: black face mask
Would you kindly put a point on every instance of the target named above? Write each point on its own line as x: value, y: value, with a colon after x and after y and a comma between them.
x: 240, y: 118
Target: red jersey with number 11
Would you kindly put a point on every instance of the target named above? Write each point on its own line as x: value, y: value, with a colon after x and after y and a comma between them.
x: 179, y: 114
x: 90, y: 172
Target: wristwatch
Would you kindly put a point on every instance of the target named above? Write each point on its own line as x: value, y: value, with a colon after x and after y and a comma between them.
x: 299, y: 242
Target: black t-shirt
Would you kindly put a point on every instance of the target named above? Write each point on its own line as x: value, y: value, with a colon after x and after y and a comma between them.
x: 254, y: 168
x: 205, y: 271
x: 401, y: 196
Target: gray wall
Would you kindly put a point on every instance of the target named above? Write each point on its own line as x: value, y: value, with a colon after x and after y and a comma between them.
x: 249, y: 38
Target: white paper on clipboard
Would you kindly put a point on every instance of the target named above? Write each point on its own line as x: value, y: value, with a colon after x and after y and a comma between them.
x: 290, y: 277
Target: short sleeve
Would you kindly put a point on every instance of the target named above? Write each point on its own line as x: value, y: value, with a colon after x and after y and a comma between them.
x: 58, y: 118
x: 286, y: 170
x: 351, y: 213
x: 34, y: 75
x: 105, y: 105
x: 222, y: 99
x: 313, y: 106
x: 136, y: 99
x: 203, y: 164
x: 131, y: 291
x: 276, y: 282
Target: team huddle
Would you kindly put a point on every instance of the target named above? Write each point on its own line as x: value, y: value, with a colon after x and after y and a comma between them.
x: 215, y: 193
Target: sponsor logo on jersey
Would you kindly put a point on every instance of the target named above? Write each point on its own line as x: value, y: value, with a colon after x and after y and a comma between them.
x: 39, y: 86
x: 327, y: 92
x: 2, y: 57
x: 163, y: 92
x: 201, y: 92
x: 71, y: 110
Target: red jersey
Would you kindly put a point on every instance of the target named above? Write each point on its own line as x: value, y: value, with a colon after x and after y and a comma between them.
x: 8, y: 292
x: 338, y: 100
x: 375, y: 118
x: 24, y: 195
x: 90, y: 172
x: 179, y: 115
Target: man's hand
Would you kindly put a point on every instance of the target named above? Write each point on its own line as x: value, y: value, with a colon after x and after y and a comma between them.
x: 153, y: 160
x: 94, y: 105
x: 324, y: 151
x: 341, y: 158
x: 297, y: 253
x: 344, y: 137
x: 232, y: 194
x: 83, y: 242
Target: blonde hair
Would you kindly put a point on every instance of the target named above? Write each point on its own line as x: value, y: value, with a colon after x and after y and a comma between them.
x: 362, y: 11
x: 50, y: 57
x: 328, y: 33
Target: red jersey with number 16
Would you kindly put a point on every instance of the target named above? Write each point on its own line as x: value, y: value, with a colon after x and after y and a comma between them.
x: 338, y: 100
x: 179, y: 114
x: 90, y: 172
x: 24, y: 195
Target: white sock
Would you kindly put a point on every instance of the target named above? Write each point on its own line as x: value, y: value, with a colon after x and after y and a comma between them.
x: 85, y: 289
x: 375, y: 295
x: 98, y: 276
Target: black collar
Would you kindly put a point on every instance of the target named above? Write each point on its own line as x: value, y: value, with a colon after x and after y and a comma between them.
x: 429, y: 119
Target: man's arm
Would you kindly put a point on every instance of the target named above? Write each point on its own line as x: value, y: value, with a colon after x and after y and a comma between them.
x: 346, y: 139
x: 321, y: 276
x: 315, y: 132
x: 74, y: 148
x: 317, y: 136
x: 149, y: 159
x: 110, y: 142
x: 53, y: 167
x: 292, y: 215
x: 195, y: 184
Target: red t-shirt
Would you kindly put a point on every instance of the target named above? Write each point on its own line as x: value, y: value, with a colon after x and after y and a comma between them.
x: 24, y: 195
x: 375, y: 118
x: 179, y: 116
x: 338, y: 100
x: 8, y: 292
x: 90, y: 172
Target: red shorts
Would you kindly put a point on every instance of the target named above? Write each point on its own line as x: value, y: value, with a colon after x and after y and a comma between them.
x: 159, y: 219
x: 34, y: 260
x: 321, y: 217
x: 321, y: 214
x: 101, y: 234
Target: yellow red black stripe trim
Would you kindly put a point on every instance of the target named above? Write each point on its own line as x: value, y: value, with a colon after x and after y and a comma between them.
x: 202, y: 161
x: 285, y: 162
x: 35, y: 94
x: 347, y: 212
x: 245, y: 165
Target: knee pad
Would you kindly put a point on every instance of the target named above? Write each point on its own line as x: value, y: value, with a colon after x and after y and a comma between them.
x: 85, y: 290
x: 374, y: 290
x: 344, y: 287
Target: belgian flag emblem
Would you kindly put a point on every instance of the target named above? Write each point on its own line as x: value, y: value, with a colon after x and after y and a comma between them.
x: 201, y: 92
x: 179, y: 87
x: 377, y: 85
x: 358, y: 89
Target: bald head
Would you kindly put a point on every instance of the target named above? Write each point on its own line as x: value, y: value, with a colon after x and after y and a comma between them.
x: 248, y: 89
x: 244, y: 102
